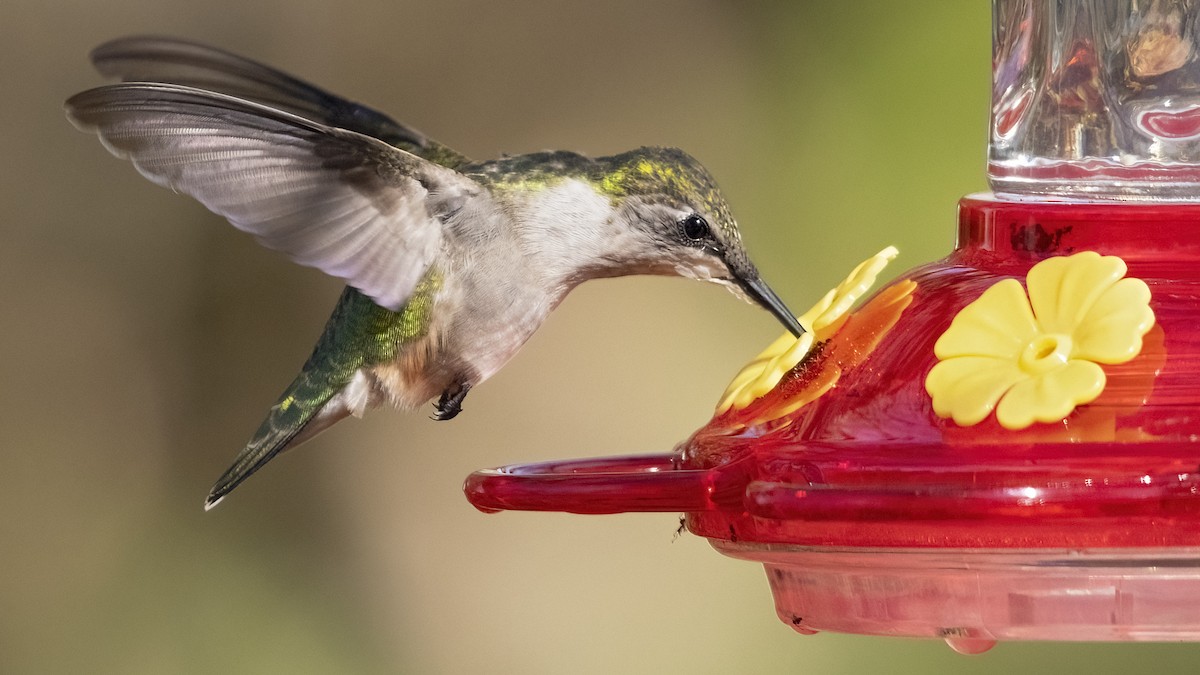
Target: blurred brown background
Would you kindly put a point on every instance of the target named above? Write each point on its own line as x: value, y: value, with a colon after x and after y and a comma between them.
x: 142, y: 339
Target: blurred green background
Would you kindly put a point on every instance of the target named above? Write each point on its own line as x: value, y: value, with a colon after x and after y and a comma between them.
x: 143, y: 338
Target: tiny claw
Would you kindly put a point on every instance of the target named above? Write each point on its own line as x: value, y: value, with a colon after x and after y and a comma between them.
x: 441, y: 415
x: 450, y: 404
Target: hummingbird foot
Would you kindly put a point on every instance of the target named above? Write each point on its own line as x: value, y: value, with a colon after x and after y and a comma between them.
x: 450, y: 404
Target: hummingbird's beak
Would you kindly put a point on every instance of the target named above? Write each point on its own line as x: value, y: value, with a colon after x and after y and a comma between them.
x: 762, y: 294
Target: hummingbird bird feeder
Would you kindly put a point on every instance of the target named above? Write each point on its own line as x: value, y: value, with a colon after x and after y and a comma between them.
x: 1003, y: 444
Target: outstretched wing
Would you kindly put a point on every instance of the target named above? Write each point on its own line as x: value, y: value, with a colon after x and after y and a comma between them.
x: 174, y: 61
x: 347, y: 204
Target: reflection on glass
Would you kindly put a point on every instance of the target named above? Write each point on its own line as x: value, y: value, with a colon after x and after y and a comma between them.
x: 1095, y: 99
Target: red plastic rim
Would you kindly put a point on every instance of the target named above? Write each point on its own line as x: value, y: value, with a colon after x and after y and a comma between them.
x: 600, y: 485
x: 657, y: 483
x: 1173, y: 494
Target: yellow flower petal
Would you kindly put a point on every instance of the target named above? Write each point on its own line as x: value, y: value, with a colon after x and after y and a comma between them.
x: 752, y: 383
x: 1079, y: 313
x: 1112, y: 330
x: 1052, y: 396
x: 967, y: 388
x: 762, y: 374
x: 788, y: 359
x: 999, y: 324
x: 858, y: 282
x: 815, y: 312
x: 757, y: 368
x: 851, y: 341
x: 1062, y: 290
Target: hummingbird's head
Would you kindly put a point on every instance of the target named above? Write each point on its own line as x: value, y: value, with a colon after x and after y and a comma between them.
x: 680, y: 224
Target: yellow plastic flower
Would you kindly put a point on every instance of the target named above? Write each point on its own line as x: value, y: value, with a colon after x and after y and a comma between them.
x: 764, y: 372
x: 1034, y: 358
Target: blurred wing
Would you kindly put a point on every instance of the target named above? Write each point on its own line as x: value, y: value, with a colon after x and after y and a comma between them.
x: 172, y: 61
x: 349, y: 205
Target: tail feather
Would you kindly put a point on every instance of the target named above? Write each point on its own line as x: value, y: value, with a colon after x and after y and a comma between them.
x: 300, y: 413
x: 333, y: 384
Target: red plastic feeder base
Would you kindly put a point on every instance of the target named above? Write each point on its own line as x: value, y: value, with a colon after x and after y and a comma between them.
x: 873, y: 515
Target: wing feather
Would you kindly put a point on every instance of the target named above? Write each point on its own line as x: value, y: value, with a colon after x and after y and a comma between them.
x: 174, y: 61
x: 329, y: 198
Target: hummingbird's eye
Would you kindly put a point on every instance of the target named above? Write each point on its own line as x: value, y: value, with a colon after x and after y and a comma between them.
x: 694, y: 227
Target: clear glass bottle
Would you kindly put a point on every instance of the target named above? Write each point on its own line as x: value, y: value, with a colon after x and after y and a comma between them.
x: 1095, y: 99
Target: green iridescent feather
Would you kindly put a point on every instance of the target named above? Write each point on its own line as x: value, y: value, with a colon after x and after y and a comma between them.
x: 645, y: 171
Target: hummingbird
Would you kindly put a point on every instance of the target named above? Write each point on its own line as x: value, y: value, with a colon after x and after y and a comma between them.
x: 450, y: 263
